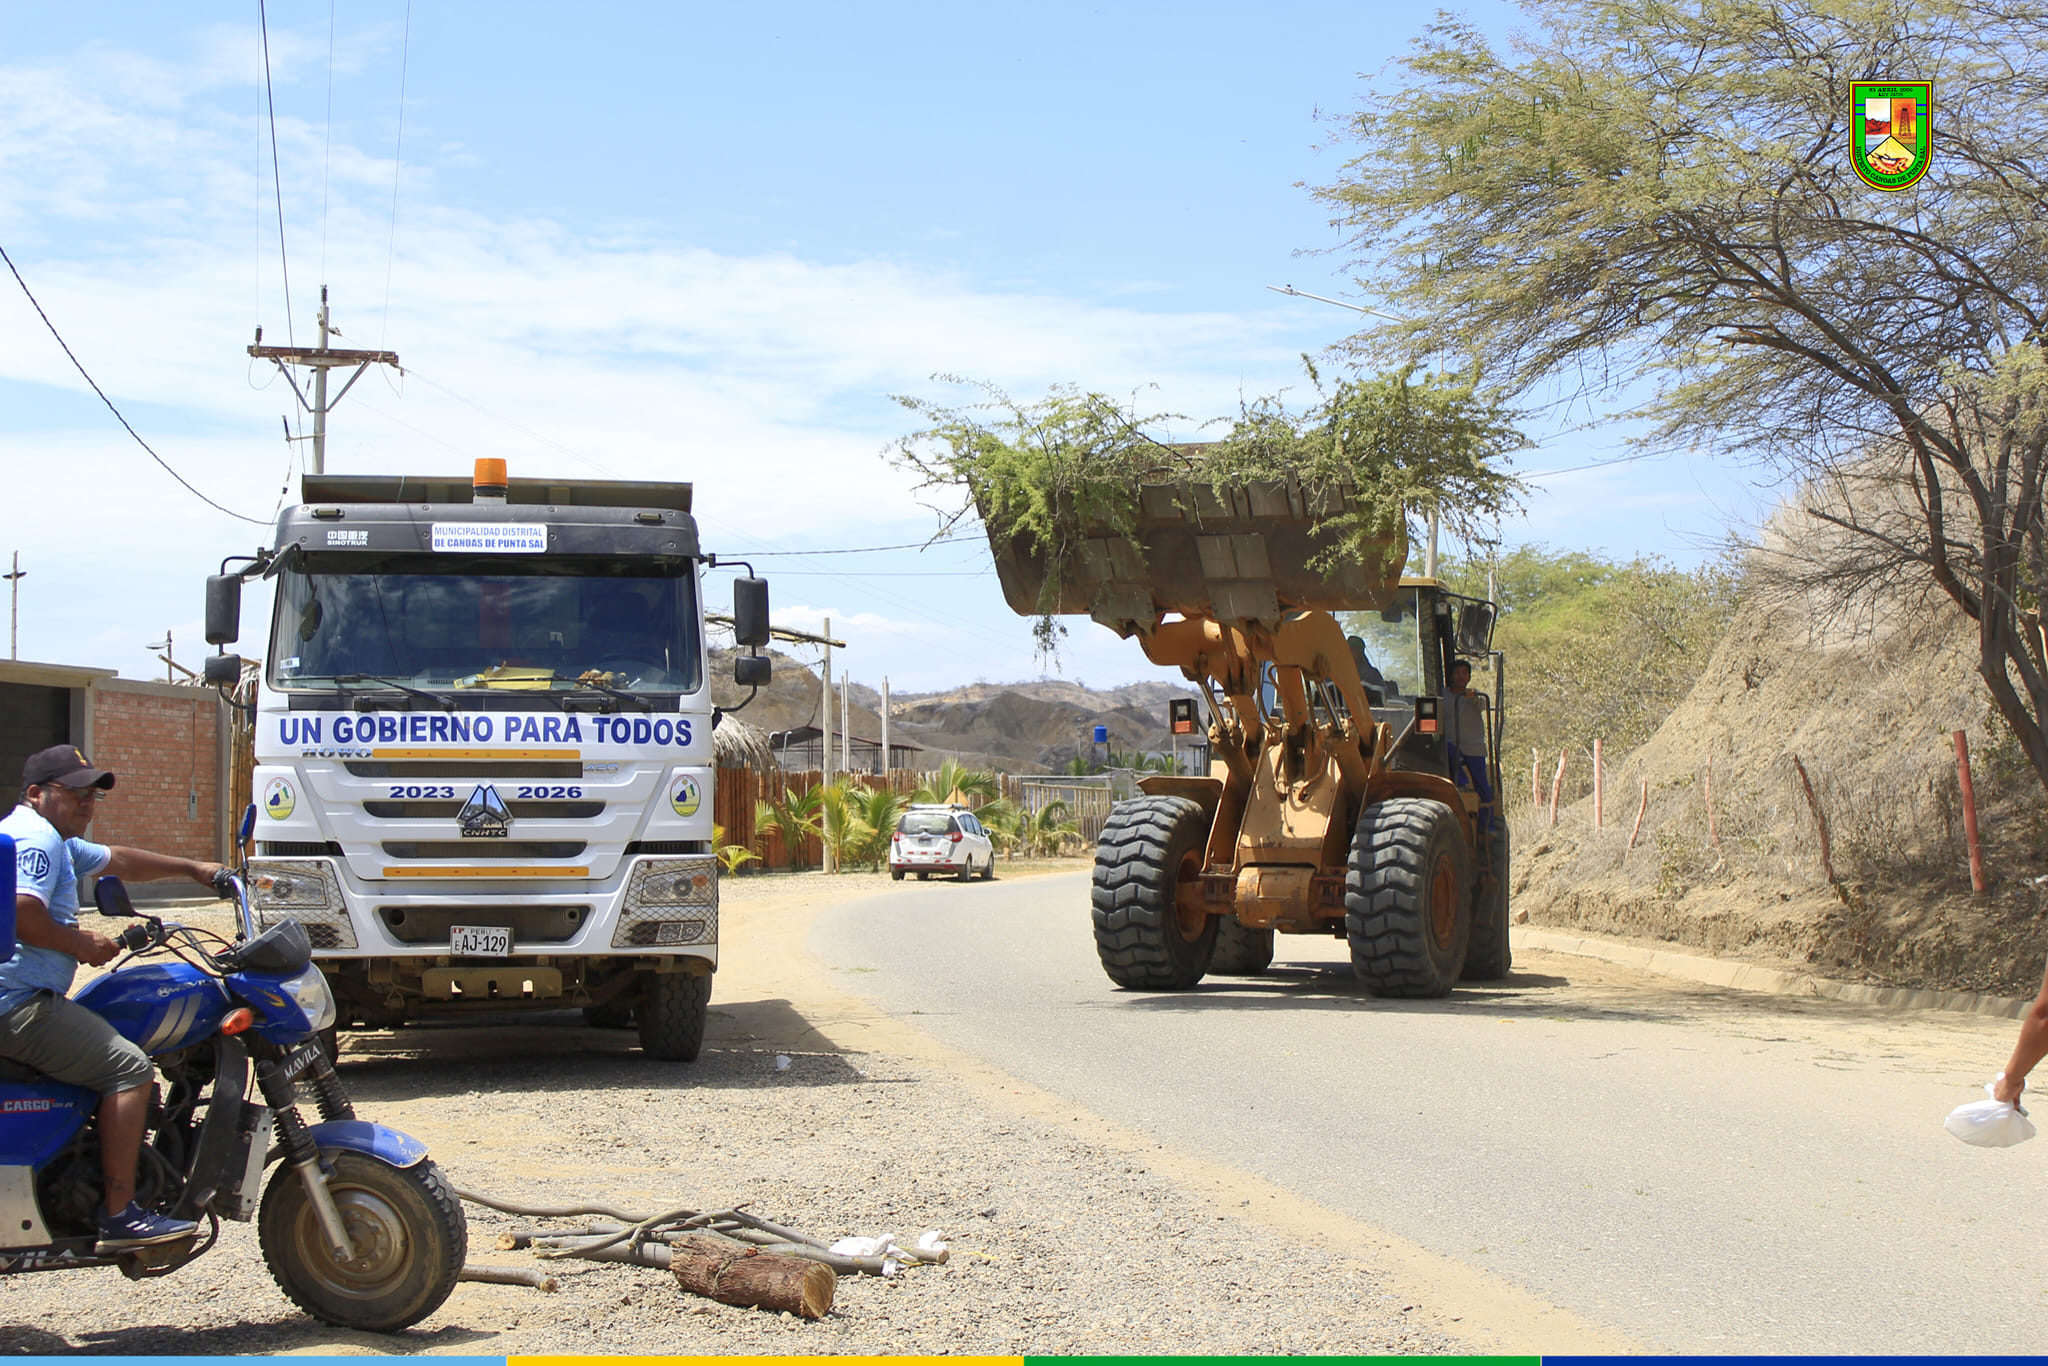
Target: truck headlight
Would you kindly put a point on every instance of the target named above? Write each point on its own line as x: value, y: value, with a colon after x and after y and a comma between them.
x: 305, y: 890
x: 669, y: 901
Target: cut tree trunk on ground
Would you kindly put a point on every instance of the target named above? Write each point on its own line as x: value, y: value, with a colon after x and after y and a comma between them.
x: 751, y: 1278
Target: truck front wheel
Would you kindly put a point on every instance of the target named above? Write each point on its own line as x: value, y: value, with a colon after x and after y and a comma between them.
x: 1408, y: 898
x: 1152, y: 929
x: 672, y: 1015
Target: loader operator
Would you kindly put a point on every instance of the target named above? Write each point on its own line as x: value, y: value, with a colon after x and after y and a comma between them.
x: 40, y: 1026
x: 1465, y: 713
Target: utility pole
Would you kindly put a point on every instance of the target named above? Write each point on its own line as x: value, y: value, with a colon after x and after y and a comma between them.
x: 846, y: 725
x: 320, y: 359
x: 14, y: 612
x: 164, y: 645
x: 885, y: 725
x: 825, y: 737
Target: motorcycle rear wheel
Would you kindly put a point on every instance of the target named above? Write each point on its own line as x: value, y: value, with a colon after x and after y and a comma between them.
x: 409, y: 1233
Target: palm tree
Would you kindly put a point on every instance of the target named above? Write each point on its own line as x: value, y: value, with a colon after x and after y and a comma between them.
x: 955, y: 781
x: 840, y: 823
x: 1047, y: 830
x: 792, y: 815
x: 876, y: 811
x: 1004, y: 823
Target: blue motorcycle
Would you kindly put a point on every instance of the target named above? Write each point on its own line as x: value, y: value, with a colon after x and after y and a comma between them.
x: 357, y: 1225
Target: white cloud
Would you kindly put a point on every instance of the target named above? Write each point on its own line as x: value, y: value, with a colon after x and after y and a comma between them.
x: 131, y: 192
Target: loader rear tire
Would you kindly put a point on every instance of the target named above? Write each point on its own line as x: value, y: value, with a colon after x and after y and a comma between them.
x: 1240, y: 952
x: 1152, y: 931
x: 1408, y: 898
x: 1489, y: 956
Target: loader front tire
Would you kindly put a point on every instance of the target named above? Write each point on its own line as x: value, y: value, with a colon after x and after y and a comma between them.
x: 1152, y: 930
x: 1408, y: 898
x: 1240, y: 952
x: 1488, y: 956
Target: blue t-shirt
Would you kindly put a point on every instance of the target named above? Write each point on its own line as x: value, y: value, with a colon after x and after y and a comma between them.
x: 47, y: 867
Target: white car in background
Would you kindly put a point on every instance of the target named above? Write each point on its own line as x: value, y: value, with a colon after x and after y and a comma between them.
x: 941, y: 839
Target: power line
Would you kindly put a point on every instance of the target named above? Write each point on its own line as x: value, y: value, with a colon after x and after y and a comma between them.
x: 397, y: 160
x: 276, y: 175
x: 856, y: 550
x: 110, y: 403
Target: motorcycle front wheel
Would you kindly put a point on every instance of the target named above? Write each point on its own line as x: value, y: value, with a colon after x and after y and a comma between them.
x: 407, y: 1228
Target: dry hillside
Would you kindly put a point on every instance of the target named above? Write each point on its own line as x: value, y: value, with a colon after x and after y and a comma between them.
x: 1031, y: 727
x: 1868, y: 707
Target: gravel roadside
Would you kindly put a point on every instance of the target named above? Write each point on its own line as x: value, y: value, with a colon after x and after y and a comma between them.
x: 1060, y: 1244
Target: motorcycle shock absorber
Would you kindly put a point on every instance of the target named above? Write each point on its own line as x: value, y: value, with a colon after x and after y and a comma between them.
x: 303, y: 1155
x: 328, y: 1094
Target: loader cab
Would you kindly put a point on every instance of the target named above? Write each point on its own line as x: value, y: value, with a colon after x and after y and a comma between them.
x: 1411, y: 643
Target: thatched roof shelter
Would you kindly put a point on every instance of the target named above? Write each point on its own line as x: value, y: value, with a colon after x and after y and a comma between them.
x: 736, y: 744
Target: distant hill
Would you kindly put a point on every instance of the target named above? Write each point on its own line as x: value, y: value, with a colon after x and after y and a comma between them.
x: 1027, y: 727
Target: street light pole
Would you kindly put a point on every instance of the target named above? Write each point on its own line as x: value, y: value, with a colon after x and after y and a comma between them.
x: 14, y: 610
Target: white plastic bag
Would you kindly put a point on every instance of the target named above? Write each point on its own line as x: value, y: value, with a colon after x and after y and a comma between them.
x: 1992, y: 1123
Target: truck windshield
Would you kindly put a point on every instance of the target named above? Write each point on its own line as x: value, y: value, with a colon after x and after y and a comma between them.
x: 486, y: 621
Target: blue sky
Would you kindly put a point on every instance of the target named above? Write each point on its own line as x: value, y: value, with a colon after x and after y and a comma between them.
x: 673, y: 242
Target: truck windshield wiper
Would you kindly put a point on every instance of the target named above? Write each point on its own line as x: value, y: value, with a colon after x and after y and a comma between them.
x: 605, y: 688
x: 444, y: 703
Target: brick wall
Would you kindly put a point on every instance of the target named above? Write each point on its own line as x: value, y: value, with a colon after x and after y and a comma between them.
x: 164, y: 747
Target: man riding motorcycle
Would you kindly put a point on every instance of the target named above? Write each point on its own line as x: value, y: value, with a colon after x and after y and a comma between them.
x: 39, y: 1025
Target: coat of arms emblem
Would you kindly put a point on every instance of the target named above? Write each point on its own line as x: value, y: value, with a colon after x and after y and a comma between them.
x: 1889, y: 144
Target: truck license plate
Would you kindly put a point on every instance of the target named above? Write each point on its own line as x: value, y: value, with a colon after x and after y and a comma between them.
x: 480, y: 941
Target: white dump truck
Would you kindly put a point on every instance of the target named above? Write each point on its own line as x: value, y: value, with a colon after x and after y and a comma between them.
x: 483, y: 756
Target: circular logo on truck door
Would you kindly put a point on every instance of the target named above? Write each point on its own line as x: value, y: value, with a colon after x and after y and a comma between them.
x: 683, y: 796
x: 278, y: 798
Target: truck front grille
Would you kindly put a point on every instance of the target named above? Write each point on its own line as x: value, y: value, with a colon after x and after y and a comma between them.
x: 473, y: 851
x: 560, y: 811
x: 476, y: 770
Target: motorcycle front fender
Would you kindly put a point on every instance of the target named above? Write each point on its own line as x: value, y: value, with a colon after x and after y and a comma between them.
x: 388, y: 1146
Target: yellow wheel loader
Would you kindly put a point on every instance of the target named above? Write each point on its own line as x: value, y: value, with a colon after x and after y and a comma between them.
x: 1330, y: 806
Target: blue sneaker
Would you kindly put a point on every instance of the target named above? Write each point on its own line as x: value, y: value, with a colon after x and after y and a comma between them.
x: 137, y: 1227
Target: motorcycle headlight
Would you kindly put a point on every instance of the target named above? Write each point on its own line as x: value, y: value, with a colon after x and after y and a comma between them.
x: 309, y: 990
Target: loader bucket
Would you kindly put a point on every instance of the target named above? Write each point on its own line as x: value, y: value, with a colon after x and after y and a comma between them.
x: 1237, y: 554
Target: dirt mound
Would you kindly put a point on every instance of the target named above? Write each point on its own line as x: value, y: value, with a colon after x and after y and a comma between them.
x: 1867, y: 708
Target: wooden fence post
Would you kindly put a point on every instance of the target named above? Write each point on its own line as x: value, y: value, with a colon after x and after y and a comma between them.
x: 1557, y: 784
x: 1820, y: 822
x: 1977, y: 879
x: 1597, y: 790
x: 1641, y: 807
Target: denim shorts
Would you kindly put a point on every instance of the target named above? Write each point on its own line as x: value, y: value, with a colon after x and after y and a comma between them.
x: 66, y: 1042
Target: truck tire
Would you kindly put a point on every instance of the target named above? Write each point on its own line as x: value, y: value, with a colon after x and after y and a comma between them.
x: 1408, y: 898
x: 409, y: 1234
x: 1151, y: 930
x: 672, y: 1014
x: 1489, y: 956
x: 1240, y: 952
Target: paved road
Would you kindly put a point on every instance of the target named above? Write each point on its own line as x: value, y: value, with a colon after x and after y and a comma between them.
x: 1707, y: 1171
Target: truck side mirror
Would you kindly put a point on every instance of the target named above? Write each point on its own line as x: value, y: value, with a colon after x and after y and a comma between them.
x: 752, y: 671
x: 223, y: 608
x: 110, y: 894
x: 750, y: 611
x: 1475, y: 628
x: 222, y: 671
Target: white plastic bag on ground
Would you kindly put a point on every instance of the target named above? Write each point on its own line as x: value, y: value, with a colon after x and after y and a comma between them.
x: 1992, y: 1123
x: 929, y: 1247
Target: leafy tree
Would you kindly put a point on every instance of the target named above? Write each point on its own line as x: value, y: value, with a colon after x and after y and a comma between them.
x: 731, y: 857
x: 1643, y: 187
x: 876, y: 811
x: 1048, y: 829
